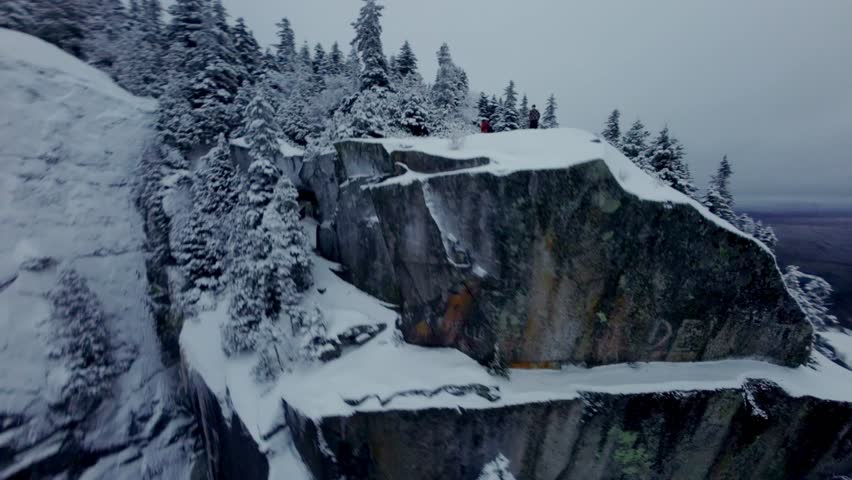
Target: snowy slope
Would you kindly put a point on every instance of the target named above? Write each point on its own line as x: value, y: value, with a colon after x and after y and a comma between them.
x: 70, y: 140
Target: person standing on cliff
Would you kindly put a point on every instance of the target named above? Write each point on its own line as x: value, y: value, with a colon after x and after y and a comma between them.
x: 535, y: 116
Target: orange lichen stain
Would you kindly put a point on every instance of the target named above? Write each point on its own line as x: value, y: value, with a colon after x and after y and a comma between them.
x: 535, y: 365
x: 423, y: 331
x: 458, y: 307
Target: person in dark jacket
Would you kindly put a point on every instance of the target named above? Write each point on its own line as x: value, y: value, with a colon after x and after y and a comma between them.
x: 535, y: 116
x: 485, y: 126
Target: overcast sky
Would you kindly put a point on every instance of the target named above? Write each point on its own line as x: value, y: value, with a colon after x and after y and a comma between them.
x: 769, y: 82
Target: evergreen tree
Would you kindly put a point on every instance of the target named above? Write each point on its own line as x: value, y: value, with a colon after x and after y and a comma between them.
x: 718, y: 198
x: 813, y: 295
x: 368, y: 43
x: 246, y: 48
x: 335, y: 60
x: 353, y: 67
x: 286, y: 46
x: 524, y: 113
x: 188, y: 18
x: 197, y: 253
x: 106, y: 26
x: 508, y: 111
x: 63, y: 24
x: 218, y: 185
x: 262, y: 138
x: 415, y: 116
x: 320, y: 62
x: 549, y: 120
x: 482, y: 107
x: 612, y: 130
x: 756, y: 228
x: 634, y: 144
x: 304, y: 58
x: 406, y: 62
x: 665, y: 157
x: 81, y: 340
x: 493, y: 110
x: 450, y: 89
x: 218, y: 79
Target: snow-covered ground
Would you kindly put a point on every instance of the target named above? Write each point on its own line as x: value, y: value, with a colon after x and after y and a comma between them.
x: 70, y: 140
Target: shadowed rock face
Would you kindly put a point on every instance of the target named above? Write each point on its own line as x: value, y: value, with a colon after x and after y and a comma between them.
x: 754, y: 432
x: 559, y: 266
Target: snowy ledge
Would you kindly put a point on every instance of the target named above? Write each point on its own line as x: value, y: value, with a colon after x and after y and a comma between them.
x: 554, y: 149
x: 385, y: 367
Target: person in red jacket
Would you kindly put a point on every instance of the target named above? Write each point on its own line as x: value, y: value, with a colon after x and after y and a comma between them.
x: 485, y: 126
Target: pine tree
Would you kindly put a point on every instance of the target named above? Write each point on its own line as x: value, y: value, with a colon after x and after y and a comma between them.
x: 246, y: 48
x: 406, y: 61
x: 482, y: 106
x: 413, y: 108
x: 612, y: 130
x: 218, y: 185
x: 262, y: 138
x: 718, y: 198
x: 187, y: 21
x: 665, y: 157
x: 218, y: 79
x: 105, y: 27
x: 368, y: 43
x: 63, y: 24
x: 286, y: 46
x: 320, y: 62
x: 813, y: 295
x: 508, y: 111
x: 450, y: 89
x: 634, y: 144
x: 197, y: 253
x: 82, y: 341
x: 335, y: 60
x: 549, y: 120
x: 524, y: 113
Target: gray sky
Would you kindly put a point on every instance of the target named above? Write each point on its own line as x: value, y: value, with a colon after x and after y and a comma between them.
x: 769, y: 82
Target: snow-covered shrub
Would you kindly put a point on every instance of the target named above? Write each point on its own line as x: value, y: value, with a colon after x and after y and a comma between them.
x: 280, y: 345
x: 497, y: 469
x: 81, y: 340
x: 813, y: 294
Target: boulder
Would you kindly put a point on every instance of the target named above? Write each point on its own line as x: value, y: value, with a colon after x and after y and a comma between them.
x: 557, y: 266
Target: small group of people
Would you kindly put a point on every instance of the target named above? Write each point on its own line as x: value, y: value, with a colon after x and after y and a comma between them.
x: 535, y: 116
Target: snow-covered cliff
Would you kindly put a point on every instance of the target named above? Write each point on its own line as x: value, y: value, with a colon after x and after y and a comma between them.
x: 70, y: 140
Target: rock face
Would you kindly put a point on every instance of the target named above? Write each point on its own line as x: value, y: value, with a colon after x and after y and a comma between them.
x: 755, y: 432
x: 230, y: 450
x: 555, y: 266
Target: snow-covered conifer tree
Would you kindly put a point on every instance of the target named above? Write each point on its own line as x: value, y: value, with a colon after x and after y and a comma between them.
x: 813, y: 293
x: 81, y: 339
x: 718, y: 198
x: 406, y: 61
x: 549, y: 119
x: 524, y: 113
x: 665, y: 157
x: 246, y: 49
x: 286, y: 46
x: 368, y: 43
x: 612, y: 129
x: 218, y: 186
x: 335, y: 60
x: 634, y: 144
x: 508, y: 111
